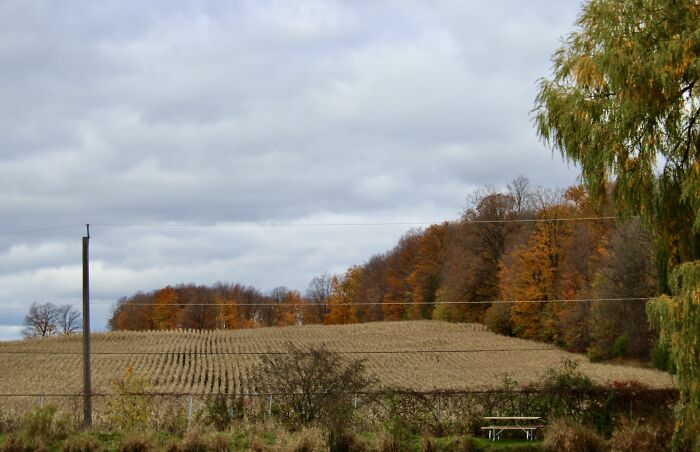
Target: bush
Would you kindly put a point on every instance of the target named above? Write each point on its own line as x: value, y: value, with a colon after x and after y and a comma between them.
x: 80, y: 443
x: 42, y: 422
x: 9, y: 421
x: 569, y: 436
x: 221, y: 410
x: 636, y: 437
x: 497, y: 318
x: 140, y: 443
x: 428, y: 444
x: 19, y: 443
x: 170, y: 417
x: 307, y: 440
x: 661, y: 358
x: 344, y: 442
x: 318, y: 384
x: 620, y: 346
x: 129, y: 409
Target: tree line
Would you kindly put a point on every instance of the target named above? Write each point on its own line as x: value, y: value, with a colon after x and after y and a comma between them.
x: 520, y: 243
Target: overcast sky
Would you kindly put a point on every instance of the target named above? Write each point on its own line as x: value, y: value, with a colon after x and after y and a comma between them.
x: 230, y: 112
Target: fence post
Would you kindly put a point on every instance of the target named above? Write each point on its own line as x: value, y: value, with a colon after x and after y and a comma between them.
x: 354, y: 408
x: 41, y: 401
x: 269, y: 407
x: 189, y: 411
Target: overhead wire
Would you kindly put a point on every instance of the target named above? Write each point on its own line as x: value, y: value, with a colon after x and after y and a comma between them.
x: 259, y: 353
x: 302, y: 225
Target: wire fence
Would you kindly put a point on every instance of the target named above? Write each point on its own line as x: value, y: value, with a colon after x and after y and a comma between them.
x: 434, y: 410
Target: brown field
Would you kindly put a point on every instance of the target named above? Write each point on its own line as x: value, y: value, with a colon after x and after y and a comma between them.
x: 202, y: 361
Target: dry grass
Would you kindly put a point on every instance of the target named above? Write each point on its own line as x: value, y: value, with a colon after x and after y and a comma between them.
x: 183, y: 367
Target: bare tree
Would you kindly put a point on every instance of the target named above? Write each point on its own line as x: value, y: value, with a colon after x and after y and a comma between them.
x: 69, y: 319
x: 50, y: 320
x: 41, y: 320
x: 521, y: 191
x: 318, y: 295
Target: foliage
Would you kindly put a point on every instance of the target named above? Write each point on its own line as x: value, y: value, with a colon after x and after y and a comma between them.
x: 80, y: 443
x: 622, y: 101
x: 566, y: 435
x: 137, y: 443
x: 20, y: 443
x: 44, y: 423
x: 624, y: 268
x: 678, y: 319
x: 129, y: 408
x: 221, y: 410
x: 637, y: 437
x: 318, y: 386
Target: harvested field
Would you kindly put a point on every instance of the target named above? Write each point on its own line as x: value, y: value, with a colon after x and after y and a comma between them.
x: 220, y: 361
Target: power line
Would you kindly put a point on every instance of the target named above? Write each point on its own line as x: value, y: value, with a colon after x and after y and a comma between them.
x: 46, y: 229
x: 304, y: 225
x: 381, y: 303
x: 372, y: 303
x: 256, y: 353
x: 353, y: 224
x: 435, y: 392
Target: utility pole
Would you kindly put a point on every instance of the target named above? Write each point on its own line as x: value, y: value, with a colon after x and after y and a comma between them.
x: 87, y: 385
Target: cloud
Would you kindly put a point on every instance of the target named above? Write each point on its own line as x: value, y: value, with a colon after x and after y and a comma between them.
x: 10, y: 332
x: 253, y: 111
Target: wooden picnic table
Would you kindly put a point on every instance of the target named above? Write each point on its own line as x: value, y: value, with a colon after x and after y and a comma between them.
x: 523, y: 423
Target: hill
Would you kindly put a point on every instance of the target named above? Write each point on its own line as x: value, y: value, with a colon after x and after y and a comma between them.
x: 438, y: 355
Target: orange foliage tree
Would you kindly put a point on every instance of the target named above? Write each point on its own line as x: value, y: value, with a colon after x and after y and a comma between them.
x: 343, y: 297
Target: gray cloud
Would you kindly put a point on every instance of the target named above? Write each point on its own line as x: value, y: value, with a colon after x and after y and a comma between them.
x: 249, y: 111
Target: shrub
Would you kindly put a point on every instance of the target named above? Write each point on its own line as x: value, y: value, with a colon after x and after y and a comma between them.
x: 429, y: 444
x: 129, y: 409
x: 221, y: 410
x: 80, y: 443
x: 170, y: 417
x: 636, y: 437
x: 19, y: 443
x: 319, y: 385
x: 497, y: 318
x: 661, y: 358
x: 139, y: 443
x: 466, y: 443
x: 41, y: 422
x: 388, y: 443
x: 9, y: 421
x: 620, y: 346
x: 569, y: 436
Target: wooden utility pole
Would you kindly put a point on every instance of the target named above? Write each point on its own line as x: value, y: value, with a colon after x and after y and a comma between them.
x: 87, y: 385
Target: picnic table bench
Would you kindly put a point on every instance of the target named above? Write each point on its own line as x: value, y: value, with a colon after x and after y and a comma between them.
x: 527, y: 424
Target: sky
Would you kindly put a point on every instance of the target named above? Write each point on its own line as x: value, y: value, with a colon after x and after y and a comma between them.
x: 262, y: 142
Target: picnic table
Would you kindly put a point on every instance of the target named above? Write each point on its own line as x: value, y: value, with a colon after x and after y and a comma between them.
x: 499, y: 424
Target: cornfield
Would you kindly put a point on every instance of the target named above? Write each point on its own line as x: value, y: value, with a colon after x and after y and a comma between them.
x: 419, y: 355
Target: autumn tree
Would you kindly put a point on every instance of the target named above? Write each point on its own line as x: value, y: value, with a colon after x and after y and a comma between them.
x: 200, y: 311
x: 343, y: 296
x: 577, y: 268
x: 624, y: 270
x: 475, y: 247
x: 400, y: 263
x: 424, y: 280
x: 531, y: 274
x: 166, y: 309
x: 623, y: 103
x: 372, y: 289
